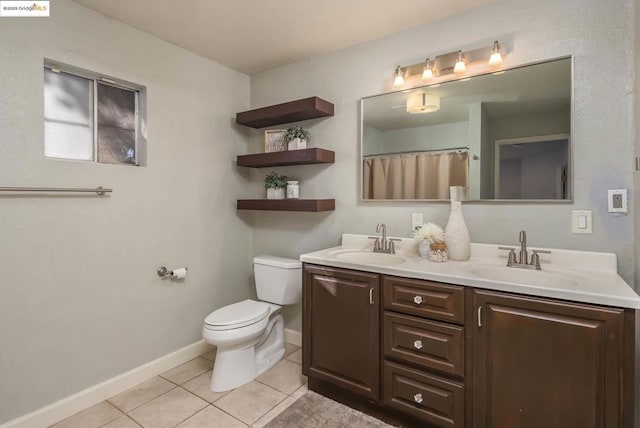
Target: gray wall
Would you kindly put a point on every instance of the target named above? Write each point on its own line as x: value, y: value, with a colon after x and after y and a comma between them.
x: 80, y: 300
x: 598, y: 33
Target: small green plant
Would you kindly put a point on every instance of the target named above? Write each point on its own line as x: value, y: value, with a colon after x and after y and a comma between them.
x: 297, y: 132
x: 275, y: 181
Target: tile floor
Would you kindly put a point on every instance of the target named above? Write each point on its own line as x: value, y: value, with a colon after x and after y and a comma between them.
x: 181, y: 398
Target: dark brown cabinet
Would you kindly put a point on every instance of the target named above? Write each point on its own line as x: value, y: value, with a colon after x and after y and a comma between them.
x: 545, y: 363
x: 442, y: 355
x: 341, y: 328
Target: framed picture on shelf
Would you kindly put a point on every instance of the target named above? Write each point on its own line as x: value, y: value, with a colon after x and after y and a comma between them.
x: 274, y: 140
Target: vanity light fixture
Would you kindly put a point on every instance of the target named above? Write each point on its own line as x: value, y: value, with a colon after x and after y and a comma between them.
x: 496, y: 58
x: 460, y: 67
x: 454, y: 63
x: 428, y: 70
x: 398, y: 79
x: 420, y: 103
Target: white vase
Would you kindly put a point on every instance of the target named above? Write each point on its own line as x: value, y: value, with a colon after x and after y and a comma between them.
x: 297, y: 144
x: 456, y: 233
x: 423, y: 248
x: 275, y: 193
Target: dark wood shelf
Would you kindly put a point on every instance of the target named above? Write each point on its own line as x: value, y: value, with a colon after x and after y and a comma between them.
x: 292, y: 111
x: 292, y: 157
x: 311, y: 205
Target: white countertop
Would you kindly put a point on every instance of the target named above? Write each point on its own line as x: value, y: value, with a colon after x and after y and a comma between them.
x: 593, y: 276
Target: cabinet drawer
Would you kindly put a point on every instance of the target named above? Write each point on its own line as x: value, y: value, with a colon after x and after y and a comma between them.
x: 435, y: 400
x: 429, y: 344
x: 424, y: 298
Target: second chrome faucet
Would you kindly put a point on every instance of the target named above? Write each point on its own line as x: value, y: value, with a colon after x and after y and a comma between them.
x: 523, y: 257
x: 382, y: 244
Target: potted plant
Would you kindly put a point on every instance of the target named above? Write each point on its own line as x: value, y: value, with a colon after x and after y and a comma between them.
x: 431, y: 244
x: 297, y: 137
x: 275, y: 184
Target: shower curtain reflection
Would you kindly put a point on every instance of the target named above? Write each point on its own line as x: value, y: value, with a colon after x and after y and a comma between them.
x: 414, y: 176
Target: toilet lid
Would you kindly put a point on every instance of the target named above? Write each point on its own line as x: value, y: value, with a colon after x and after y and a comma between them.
x: 237, y: 315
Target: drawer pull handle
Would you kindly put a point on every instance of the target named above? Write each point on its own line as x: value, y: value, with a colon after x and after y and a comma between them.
x: 417, y: 398
x: 417, y: 344
x: 417, y: 300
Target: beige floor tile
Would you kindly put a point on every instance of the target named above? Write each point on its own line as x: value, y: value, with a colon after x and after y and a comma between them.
x: 140, y: 394
x: 300, y: 391
x: 284, y: 376
x: 211, y: 417
x: 250, y: 402
x: 289, y: 349
x: 211, y: 355
x: 200, y: 387
x: 168, y: 410
x: 188, y: 370
x: 93, y: 417
x: 296, y: 357
x: 122, y: 422
x: 271, y: 414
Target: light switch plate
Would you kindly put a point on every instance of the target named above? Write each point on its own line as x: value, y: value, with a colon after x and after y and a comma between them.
x: 581, y: 221
x: 617, y: 200
x: 416, y: 220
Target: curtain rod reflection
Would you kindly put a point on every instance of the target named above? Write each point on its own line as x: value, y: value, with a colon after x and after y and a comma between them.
x: 451, y: 149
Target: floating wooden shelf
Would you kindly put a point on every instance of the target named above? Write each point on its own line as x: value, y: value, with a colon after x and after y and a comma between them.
x: 293, y: 157
x: 292, y: 111
x: 312, y: 205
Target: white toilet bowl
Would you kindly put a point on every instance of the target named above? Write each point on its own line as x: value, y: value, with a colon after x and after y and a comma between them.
x: 249, y: 335
x: 248, y: 347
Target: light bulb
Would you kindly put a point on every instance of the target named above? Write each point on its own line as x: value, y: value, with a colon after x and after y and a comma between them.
x: 399, y: 79
x: 496, y: 57
x: 428, y: 72
x: 460, y: 67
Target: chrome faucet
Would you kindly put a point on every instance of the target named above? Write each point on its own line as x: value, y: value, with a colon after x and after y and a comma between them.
x: 523, y: 258
x: 382, y: 244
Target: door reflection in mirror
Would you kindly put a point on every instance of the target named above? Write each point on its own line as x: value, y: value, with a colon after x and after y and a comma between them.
x: 532, y: 168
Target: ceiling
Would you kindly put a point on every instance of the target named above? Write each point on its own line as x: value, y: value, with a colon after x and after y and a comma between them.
x: 257, y: 35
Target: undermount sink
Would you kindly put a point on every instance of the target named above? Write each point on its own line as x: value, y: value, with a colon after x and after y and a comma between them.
x: 370, y: 258
x: 523, y: 276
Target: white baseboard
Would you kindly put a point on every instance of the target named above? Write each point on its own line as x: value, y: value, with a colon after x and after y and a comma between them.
x: 71, y: 405
x: 293, y: 337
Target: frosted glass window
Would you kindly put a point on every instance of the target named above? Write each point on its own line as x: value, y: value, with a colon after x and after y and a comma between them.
x: 68, y: 116
x: 116, y: 124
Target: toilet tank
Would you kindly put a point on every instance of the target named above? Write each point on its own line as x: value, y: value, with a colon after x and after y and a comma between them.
x: 278, y: 280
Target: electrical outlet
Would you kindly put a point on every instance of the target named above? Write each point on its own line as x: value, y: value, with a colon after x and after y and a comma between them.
x: 416, y: 220
x: 617, y: 200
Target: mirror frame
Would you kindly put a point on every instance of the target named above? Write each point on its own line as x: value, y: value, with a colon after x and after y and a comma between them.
x: 475, y: 201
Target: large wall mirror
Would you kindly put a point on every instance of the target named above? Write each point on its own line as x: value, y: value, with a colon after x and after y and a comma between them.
x: 505, y: 136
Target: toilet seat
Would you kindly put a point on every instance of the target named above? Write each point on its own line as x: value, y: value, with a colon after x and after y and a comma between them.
x: 237, y: 315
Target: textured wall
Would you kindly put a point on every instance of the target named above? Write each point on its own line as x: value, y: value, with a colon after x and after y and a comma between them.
x: 600, y: 36
x: 80, y: 301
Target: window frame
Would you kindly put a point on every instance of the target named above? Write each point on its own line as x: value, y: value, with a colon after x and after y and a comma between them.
x: 96, y: 79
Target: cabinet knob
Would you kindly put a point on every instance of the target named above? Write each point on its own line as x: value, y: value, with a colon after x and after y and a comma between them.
x: 417, y: 344
x: 417, y: 398
x: 417, y: 300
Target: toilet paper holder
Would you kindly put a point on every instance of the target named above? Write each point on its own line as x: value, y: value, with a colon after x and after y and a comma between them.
x: 164, y: 272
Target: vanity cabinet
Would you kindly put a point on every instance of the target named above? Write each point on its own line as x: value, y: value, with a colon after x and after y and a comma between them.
x: 443, y: 355
x: 545, y: 363
x: 341, y: 328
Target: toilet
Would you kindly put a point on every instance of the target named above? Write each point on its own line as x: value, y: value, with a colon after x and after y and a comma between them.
x: 249, y: 334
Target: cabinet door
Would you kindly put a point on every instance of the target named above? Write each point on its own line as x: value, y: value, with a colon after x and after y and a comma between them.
x: 542, y: 363
x: 341, y: 328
